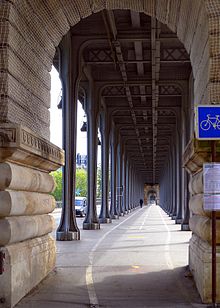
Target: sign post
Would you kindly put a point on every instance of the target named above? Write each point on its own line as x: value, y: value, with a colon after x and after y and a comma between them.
x: 208, y: 128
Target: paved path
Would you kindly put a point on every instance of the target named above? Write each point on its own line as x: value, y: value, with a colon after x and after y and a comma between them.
x: 135, y: 262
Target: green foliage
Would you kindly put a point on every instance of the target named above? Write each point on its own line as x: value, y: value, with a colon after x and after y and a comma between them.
x: 99, y: 182
x: 81, y: 183
x: 57, y: 175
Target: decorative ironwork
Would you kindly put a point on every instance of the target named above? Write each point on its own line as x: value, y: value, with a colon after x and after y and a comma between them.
x: 169, y: 90
x: 114, y: 90
x: 98, y: 55
x: 167, y: 113
x: 174, y: 54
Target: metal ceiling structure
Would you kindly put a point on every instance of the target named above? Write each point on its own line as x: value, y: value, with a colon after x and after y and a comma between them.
x: 142, y: 68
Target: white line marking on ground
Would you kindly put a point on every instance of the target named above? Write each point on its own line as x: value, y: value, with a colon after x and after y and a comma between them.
x: 167, y: 246
x: 146, y: 216
x: 89, y: 279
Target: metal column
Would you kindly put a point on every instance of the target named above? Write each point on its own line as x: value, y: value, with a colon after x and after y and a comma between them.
x: 68, y: 230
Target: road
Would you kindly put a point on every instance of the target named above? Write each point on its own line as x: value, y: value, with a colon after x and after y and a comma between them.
x: 137, y: 261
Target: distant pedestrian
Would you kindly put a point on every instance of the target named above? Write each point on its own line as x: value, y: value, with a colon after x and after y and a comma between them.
x: 141, y: 202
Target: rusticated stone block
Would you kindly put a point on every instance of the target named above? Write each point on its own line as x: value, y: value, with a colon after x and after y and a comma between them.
x: 198, y: 152
x: 20, y: 228
x: 196, y: 183
x: 196, y: 206
x: 23, y: 203
x: 201, y: 226
x: 200, y: 260
x: 26, y: 264
x: 15, y: 177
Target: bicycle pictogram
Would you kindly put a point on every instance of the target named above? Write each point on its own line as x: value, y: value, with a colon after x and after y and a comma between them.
x: 210, y: 122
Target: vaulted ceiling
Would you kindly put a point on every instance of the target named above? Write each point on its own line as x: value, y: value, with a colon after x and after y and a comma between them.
x: 142, y: 66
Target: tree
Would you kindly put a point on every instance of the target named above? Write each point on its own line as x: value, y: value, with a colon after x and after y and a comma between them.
x: 99, y: 181
x: 81, y: 183
x: 57, y: 175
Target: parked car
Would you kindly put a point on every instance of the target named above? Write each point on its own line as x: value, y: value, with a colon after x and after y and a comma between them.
x: 80, y: 206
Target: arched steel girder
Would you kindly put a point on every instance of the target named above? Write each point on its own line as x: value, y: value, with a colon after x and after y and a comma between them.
x: 176, y: 89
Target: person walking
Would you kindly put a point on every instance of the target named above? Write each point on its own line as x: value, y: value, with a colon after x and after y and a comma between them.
x: 141, y: 202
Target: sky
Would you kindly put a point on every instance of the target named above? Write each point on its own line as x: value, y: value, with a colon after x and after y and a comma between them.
x: 56, y: 119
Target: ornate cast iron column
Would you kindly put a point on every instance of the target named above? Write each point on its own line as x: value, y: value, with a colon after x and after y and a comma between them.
x: 92, y: 109
x: 179, y: 183
x: 68, y: 229
x: 131, y: 188
x: 127, y: 186
x: 113, y: 208
x: 185, y: 175
x: 104, y: 216
x: 124, y: 181
x: 119, y: 178
x: 174, y: 160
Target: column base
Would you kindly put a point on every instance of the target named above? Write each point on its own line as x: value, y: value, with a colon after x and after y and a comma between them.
x: 114, y: 216
x: 121, y: 214
x: 173, y: 217
x: 105, y: 220
x: 178, y: 221
x: 67, y: 236
x: 91, y: 226
x: 185, y: 227
x: 200, y: 260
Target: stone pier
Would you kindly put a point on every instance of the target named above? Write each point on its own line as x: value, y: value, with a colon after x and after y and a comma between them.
x: 200, y: 250
x: 26, y: 247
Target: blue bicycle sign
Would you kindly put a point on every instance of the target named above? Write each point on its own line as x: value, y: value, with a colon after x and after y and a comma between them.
x: 208, y: 122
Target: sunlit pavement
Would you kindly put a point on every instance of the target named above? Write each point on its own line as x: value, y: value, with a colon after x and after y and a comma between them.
x: 137, y: 261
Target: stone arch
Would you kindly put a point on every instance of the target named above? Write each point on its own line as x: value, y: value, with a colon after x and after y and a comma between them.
x: 31, y: 31
x: 148, y: 189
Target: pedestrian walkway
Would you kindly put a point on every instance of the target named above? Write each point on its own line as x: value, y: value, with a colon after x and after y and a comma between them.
x: 135, y: 262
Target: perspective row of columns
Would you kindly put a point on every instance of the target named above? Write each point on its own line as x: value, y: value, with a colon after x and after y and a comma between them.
x: 125, y: 184
x: 174, y: 193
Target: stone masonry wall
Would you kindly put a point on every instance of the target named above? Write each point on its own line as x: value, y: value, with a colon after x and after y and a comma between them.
x: 27, y: 248
x: 200, y: 249
x: 31, y: 29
